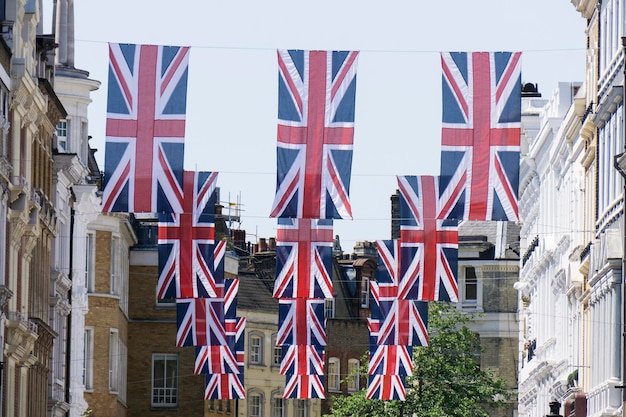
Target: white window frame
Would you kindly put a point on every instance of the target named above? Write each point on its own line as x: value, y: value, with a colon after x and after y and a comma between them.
x: 334, y: 374
x: 88, y: 358
x: 277, y: 352
x: 255, y: 404
x: 301, y: 408
x: 62, y: 127
x: 365, y: 292
x: 115, y: 265
x: 353, y: 375
x: 329, y: 308
x: 114, y: 360
x: 255, y: 351
x: 278, y: 406
x: 166, y: 397
x: 90, y: 262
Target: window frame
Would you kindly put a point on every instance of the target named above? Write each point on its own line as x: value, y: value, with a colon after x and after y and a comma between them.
x: 90, y: 261
x: 88, y: 357
x: 165, y: 358
x: 352, y: 382
x: 258, y: 355
x: 301, y: 408
x: 334, y: 375
x: 365, y: 292
x: 329, y: 308
x: 114, y: 360
x: 252, y: 396
x: 277, y: 352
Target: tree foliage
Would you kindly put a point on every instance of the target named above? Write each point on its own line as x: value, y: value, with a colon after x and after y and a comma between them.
x: 447, y: 379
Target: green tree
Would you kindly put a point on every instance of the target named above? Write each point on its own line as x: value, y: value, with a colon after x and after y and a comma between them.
x: 447, y: 379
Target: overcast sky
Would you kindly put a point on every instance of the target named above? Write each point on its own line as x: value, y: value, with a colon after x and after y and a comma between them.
x: 232, y: 97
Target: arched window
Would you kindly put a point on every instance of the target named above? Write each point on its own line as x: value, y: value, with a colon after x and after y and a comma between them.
x: 353, y: 375
x: 333, y: 374
x: 255, y: 403
x: 255, y: 348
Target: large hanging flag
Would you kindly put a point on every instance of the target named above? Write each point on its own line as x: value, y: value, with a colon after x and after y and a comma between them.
x: 302, y: 322
x: 480, y: 141
x: 397, y: 284
x: 304, y: 259
x: 316, y: 103
x: 304, y: 386
x: 145, y: 128
x: 429, y: 243
x: 189, y: 265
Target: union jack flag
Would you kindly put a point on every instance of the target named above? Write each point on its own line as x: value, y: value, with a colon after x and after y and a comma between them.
x: 316, y: 103
x: 429, y: 242
x: 391, y: 360
x: 215, y: 360
x: 386, y: 387
x: 200, y: 322
x: 304, y: 386
x: 223, y: 359
x: 480, y: 141
x: 224, y: 387
x: 231, y: 289
x: 390, y: 274
x: 147, y: 94
x: 397, y: 322
x: 189, y: 265
x: 302, y: 322
x: 304, y: 258
x: 302, y: 360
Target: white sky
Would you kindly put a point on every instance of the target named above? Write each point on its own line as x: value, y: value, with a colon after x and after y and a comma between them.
x: 232, y: 97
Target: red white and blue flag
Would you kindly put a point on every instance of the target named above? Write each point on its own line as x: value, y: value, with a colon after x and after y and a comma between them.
x: 223, y: 359
x: 215, y: 360
x: 200, y: 322
x: 304, y: 386
x: 304, y: 258
x: 224, y: 387
x: 429, y: 241
x: 386, y: 387
x: 397, y: 322
x: 391, y: 360
x: 189, y: 264
x: 316, y: 107
x: 302, y: 360
x: 301, y: 322
x: 480, y: 141
x: 145, y: 128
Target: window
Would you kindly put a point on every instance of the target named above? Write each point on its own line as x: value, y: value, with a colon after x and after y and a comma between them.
x: 255, y: 352
x: 301, y: 408
x: 333, y: 374
x: 365, y: 292
x: 164, y: 380
x: 277, y: 352
x: 90, y: 264
x: 255, y: 405
x: 62, y: 135
x: 329, y: 308
x: 88, y: 359
x: 114, y: 356
x: 123, y: 377
x: 470, y: 285
x: 278, y: 406
x: 353, y: 375
x: 115, y: 243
